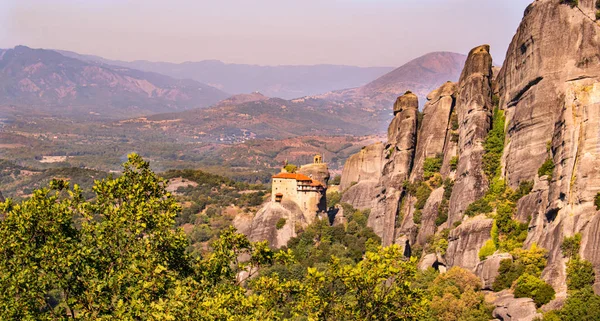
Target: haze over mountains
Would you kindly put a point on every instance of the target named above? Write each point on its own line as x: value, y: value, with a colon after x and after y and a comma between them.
x: 285, y: 82
x: 44, y: 81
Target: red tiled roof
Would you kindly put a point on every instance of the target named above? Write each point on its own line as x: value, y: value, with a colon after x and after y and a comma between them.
x: 298, y: 177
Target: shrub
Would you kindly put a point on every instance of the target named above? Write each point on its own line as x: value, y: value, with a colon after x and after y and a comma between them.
x: 572, y: 3
x: 525, y: 187
x: 487, y: 249
x: 454, y: 120
x: 336, y: 180
x: 597, y: 201
x: 547, y: 168
x: 442, y: 213
x: 290, y: 168
x: 422, y: 194
x: 507, y: 274
x: 529, y: 286
x: 570, y: 245
x: 454, y: 137
x: 581, y: 305
x: 454, y: 163
x: 417, y: 217
x: 580, y: 273
x: 480, y: 206
x: 431, y: 165
x: 494, y: 233
x: 280, y: 223
x: 494, y: 145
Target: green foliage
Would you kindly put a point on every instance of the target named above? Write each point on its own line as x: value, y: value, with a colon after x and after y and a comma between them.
x: 494, y: 145
x: 495, y: 234
x: 529, y: 286
x: 280, y: 223
x: 336, y: 180
x: 487, y: 249
x: 570, y: 246
x: 532, y: 261
x: 454, y: 296
x: 597, y: 201
x: 581, y: 305
x: 580, y: 273
x: 442, y: 213
x: 454, y: 163
x: 454, y: 120
x: 454, y: 137
x: 422, y: 194
x: 333, y: 198
x: 432, y: 165
x: 481, y: 206
x: 290, y: 168
x: 417, y: 217
x: 572, y: 3
x: 547, y: 168
x: 525, y: 187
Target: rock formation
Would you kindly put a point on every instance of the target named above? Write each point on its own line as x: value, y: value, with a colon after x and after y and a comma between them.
x: 549, y: 91
x: 1, y: 197
x: 432, y: 134
x: 361, y: 174
x: 474, y: 111
x: 400, y: 148
x: 265, y: 223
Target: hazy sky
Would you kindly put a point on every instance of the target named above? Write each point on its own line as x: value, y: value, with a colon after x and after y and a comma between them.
x: 267, y: 32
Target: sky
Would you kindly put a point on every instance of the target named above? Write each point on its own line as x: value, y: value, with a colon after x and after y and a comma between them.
x: 264, y: 32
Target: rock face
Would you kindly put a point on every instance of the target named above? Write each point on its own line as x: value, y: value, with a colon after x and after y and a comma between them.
x: 402, y: 135
x: 432, y: 134
x: 320, y: 172
x: 549, y: 89
x: 1, y: 197
x: 264, y: 224
x: 474, y: 111
x: 508, y: 308
x: 361, y: 174
x: 466, y: 240
x: 487, y: 269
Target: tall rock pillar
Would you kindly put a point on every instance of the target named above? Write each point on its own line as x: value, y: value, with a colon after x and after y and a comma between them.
x: 474, y: 111
x: 400, y: 150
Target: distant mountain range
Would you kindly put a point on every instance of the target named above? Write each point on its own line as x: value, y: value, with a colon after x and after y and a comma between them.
x: 285, y: 82
x: 44, y: 81
x: 421, y: 76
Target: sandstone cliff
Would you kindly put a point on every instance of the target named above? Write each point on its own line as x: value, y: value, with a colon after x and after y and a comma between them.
x: 400, y: 149
x: 361, y: 174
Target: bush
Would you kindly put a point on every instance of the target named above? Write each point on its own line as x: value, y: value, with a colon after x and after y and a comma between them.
x: 581, y: 305
x: 442, y: 213
x: 333, y: 199
x: 280, y: 223
x: 570, y: 246
x: 480, y: 206
x: 454, y: 163
x: 494, y: 145
x: 580, y: 273
x: 422, y: 194
x: 529, y: 286
x: 290, y: 168
x: 507, y: 274
x: 547, y: 168
x: 336, y: 180
x: 525, y: 187
x: 454, y: 120
x: 431, y: 165
x: 417, y: 215
x: 597, y: 201
x: 572, y: 3
x: 487, y: 249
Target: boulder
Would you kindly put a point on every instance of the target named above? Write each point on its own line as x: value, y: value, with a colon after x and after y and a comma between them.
x: 264, y: 224
x: 474, y: 111
x: 319, y: 172
x: 509, y: 308
x: 487, y: 270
